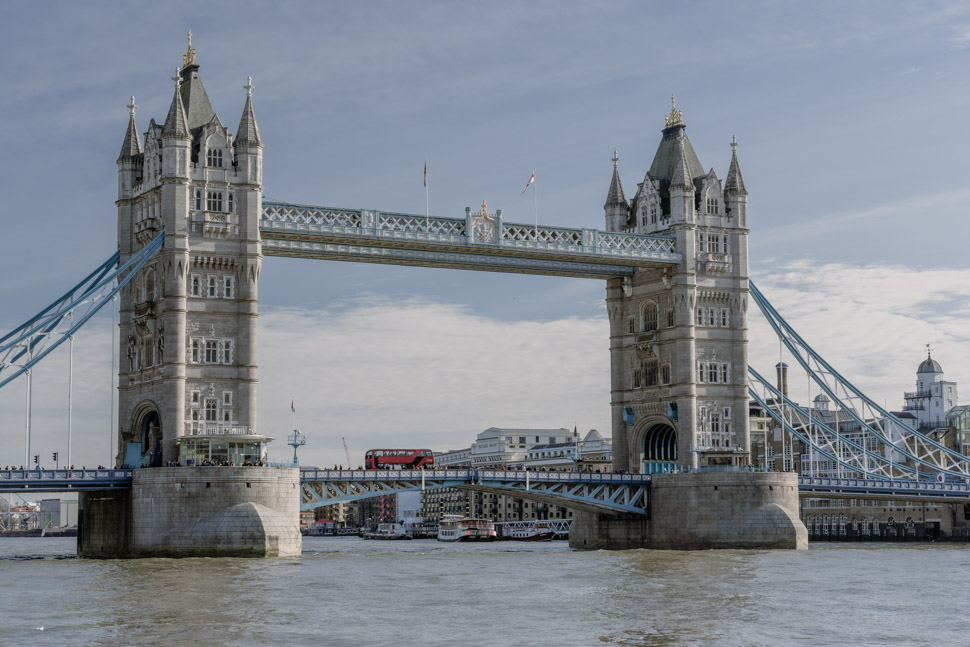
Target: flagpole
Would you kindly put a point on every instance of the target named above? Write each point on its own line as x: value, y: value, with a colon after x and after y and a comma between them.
x: 427, y: 208
x: 535, y: 194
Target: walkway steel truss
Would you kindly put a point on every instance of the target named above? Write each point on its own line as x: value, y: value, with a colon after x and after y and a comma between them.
x: 64, y: 480
x: 32, y: 341
x: 475, y: 242
x: 609, y: 493
x: 899, y: 489
x: 910, y: 452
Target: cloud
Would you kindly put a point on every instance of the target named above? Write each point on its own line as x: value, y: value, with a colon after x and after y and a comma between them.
x: 910, y: 70
x: 416, y: 372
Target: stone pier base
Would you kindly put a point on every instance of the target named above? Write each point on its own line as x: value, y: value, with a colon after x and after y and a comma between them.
x: 195, y: 512
x: 703, y: 511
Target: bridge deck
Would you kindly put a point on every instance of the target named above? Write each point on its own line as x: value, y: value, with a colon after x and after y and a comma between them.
x: 474, y: 242
x: 64, y: 480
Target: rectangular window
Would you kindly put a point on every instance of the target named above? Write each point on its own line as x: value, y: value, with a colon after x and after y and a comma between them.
x: 213, y: 292
x: 665, y: 374
x: 210, y: 410
x: 214, y: 158
x: 227, y: 398
x: 712, y: 317
x: 700, y: 242
x: 700, y: 316
x: 650, y: 376
x: 231, y: 210
x: 196, y: 285
x: 227, y: 352
x: 226, y: 415
x: 213, y: 201
x: 195, y: 351
x: 712, y: 373
x: 195, y: 397
x: 724, y: 318
x: 227, y: 287
x: 714, y: 244
x: 724, y: 374
x: 671, y: 318
x: 211, y: 352
x: 636, y: 379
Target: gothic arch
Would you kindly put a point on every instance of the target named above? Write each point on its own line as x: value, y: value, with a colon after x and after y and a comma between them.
x: 656, y: 439
x: 146, y: 431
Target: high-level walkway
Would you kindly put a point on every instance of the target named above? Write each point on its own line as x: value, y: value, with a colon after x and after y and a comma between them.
x: 480, y: 241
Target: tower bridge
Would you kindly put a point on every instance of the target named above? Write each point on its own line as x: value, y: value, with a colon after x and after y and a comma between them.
x: 193, y: 229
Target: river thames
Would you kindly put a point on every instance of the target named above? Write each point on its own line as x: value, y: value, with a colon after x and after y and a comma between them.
x: 345, y: 591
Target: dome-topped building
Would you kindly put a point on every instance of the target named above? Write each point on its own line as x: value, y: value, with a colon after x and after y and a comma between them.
x: 933, y: 396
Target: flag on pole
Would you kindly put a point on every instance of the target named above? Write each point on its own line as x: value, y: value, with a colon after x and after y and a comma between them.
x: 293, y: 406
x: 425, y: 173
x: 530, y: 182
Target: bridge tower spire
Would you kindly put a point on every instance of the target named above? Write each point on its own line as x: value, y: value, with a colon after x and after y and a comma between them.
x: 188, y: 320
x: 679, y: 334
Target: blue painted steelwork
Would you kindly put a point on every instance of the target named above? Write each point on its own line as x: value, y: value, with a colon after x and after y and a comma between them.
x: 32, y: 341
x: 873, y: 463
x: 895, y: 435
x: 478, y: 242
x: 886, y: 488
x: 612, y: 493
x: 64, y: 480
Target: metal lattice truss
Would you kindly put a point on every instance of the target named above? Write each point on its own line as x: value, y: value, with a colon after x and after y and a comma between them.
x: 874, y: 431
x: 480, y: 241
x: 610, y: 493
x: 64, y: 480
x: 33, y: 340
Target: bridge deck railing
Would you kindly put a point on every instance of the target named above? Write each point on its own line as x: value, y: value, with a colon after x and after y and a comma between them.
x: 361, y: 224
x: 897, y: 485
x: 473, y: 474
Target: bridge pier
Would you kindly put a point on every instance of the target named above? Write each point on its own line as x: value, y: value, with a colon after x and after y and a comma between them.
x: 195, y: 512
x: 700, y: 511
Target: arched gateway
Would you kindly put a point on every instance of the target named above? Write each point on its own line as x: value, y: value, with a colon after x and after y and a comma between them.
x: 659, y: 449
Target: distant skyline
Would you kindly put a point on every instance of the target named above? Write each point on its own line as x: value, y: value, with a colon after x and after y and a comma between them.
x: 850, y: 119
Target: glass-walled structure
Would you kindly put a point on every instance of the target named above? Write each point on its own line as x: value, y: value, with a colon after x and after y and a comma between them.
x: 223, y: 449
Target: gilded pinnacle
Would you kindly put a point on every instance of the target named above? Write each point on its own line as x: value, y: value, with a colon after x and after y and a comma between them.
x: 188, y: 58
x: 676, y: 117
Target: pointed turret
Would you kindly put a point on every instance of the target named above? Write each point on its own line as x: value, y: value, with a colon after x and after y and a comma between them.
x: 734, y: 182
x: 681, y: 177
x: 616, y: 207
x: 248, y: 131
x: 132, y: 145
x: 176, y: 123
x: 735, y: 195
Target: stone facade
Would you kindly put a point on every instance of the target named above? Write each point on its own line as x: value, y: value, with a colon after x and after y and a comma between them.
x: 186, y: 512
x: 678, y: 336
x: 704, y: 511
x: 188, y: 320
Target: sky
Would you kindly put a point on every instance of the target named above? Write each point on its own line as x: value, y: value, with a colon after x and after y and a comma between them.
x: 850, y: 119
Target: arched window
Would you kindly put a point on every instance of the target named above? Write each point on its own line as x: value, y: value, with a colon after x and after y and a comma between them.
x: 214, y: 157
x: 671, y: 318
x: 196, y: 286
x: 210, y: 410
x: 231, y: 210
x: 665, y: 374
x: 632, y: 325
x: 227, y: 352
x: 650, y: 372
x: 211, y: 352
x: 195, y: 351
x: 150, y: 285
x: 198, y: 200
x: 650, y: 316
x: 700, y: 316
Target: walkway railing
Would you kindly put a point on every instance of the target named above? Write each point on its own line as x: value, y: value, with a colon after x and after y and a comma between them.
x: 290, y: 229
x: 64, y: 480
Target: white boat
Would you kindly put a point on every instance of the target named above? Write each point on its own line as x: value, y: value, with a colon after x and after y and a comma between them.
x: 465, y: 529
x: 528, y: 531
x: 387, y: 531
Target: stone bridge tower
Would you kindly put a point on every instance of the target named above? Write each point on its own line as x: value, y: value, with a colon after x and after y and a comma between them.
x: 678, y: 336
x: 188, y: 320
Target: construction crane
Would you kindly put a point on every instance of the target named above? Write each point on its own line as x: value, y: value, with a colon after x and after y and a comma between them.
x: 347, y: 453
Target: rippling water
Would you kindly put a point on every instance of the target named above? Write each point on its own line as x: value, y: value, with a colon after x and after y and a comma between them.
x: 344, y: 591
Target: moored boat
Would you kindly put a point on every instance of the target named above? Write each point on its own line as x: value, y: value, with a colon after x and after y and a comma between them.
x: 387, y: 531
x: 465, y: 529
x: 529, y: 531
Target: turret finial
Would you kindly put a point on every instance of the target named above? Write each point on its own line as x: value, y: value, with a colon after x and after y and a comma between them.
x: 132, y: 107
x: 249, y: 86
x: 616, y: 158
x: 676, y: 117
x: 188, y: 58
x: 929, y: 355
x: 734, y: 144
x: 177, y: 78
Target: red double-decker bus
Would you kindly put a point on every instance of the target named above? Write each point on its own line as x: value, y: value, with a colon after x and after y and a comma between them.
x: 398, y: 459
